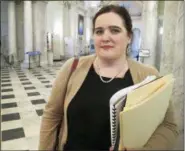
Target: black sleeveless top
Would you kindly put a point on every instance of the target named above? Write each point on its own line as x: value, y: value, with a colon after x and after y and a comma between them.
x: 88, y: 113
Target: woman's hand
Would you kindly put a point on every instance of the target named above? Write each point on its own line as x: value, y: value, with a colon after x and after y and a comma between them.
x: 111, y: 148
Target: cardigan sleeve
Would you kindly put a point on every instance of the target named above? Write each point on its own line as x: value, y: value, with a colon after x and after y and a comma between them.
x: 165, y: 136
x: 53, y: 112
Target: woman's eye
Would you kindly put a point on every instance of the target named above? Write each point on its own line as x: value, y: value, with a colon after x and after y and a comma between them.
x: 99, y: 32
x: 115, y: 31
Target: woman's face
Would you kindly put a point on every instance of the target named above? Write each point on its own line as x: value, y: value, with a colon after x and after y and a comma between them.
x: 110, y: 36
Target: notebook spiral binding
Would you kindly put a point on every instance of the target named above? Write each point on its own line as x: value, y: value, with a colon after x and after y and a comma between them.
x: 115, y: 121
x: 114, y: 128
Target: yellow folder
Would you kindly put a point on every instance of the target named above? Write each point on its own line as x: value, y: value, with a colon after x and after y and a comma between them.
x: 144, y: 111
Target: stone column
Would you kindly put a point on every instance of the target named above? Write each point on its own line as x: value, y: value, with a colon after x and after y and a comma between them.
x: 39, y: 31
x: 74, y: 26
x: 149, y: 35
x: 28, y: 35
x: 173, y: 53
x: 54, y: 26
x: 66, y: 29
x: 49, y: 29
x: 12, y: 30
x: 20, y: 30
x: 66, y: 20
x: 4, y: 32
x: 88, y: 30
x: 169, y: 31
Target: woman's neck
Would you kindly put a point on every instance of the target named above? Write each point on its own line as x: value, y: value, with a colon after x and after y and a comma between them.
x: 110, y: 68
x: 114, y: 63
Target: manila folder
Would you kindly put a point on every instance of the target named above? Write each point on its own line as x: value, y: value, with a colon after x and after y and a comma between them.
x: 139, y: 121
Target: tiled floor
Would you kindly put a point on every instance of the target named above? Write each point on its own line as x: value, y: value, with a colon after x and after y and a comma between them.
x: 24, y: 94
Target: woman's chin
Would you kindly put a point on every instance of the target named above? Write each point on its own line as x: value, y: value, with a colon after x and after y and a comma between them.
x: 108, y: 56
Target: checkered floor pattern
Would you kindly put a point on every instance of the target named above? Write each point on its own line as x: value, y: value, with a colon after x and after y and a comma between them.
x: 24, y: 94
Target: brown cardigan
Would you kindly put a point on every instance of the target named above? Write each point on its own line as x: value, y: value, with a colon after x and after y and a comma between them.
x: 162, y: 139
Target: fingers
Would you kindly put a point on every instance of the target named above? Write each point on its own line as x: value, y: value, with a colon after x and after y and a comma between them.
x: 111, y: 148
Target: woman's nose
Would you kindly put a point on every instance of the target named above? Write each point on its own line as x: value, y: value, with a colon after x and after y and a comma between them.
x: 106, y: 36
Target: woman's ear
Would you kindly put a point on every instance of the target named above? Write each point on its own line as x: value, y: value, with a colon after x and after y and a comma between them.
x: 129, y: 41
x: 129, y: 38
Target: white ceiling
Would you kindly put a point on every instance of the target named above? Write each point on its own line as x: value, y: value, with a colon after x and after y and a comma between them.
x: 134, y: 7
x: 92, y: 3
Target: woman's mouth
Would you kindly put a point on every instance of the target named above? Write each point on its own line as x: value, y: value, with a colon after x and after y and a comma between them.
x: 107, y: 47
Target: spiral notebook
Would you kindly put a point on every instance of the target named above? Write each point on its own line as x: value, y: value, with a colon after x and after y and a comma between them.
x: 128, y: 108
x: 117, y: 103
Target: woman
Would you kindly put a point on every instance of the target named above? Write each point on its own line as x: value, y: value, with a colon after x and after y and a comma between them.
x: 82, y: 102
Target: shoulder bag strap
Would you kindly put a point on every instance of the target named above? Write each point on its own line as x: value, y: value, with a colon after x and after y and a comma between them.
x: 73, y: 67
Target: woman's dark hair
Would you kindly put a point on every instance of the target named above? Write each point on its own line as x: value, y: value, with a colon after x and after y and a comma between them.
x: 121, y: 11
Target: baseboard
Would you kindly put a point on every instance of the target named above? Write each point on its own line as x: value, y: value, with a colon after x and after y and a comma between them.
x: 57, y: 60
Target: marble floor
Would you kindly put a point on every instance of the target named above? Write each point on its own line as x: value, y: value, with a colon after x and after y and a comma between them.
x: 24, y: 94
